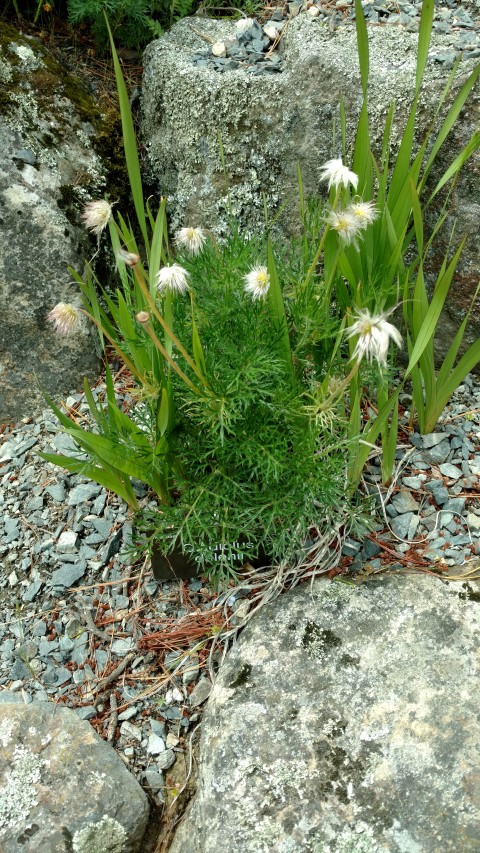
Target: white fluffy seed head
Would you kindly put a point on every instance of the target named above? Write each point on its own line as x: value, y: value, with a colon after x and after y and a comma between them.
x: 374, y: 333
x: 173, y: 278
x: 257, y: 282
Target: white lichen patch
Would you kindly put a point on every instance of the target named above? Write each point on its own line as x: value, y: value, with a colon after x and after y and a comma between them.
x: 18, y: 196
x: 284, y: 777
x: 25, y: 116
x: 27, y: 56
x: 19, y: 795
x: 355, y: 839
x: 103, y: 836
x: 6, y: 729
x: 5, y: 71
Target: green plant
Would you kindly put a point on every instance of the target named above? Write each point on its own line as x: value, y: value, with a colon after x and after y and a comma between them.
x: 134, y: 22
x: 253, y: 361
x: 432, y: 390
x: 373, y: 274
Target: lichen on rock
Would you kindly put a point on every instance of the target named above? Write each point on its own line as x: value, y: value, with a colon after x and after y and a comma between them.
x: 104, y: 836
x: 19, y: 794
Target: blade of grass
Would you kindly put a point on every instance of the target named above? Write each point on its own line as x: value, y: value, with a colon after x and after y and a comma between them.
x: 129, y: 142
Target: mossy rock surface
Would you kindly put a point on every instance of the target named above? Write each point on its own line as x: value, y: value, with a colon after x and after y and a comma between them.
x: 48, y: 170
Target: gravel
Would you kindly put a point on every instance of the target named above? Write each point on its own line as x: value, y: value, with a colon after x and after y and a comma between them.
x: 76, y: 609
x: 258, y: 48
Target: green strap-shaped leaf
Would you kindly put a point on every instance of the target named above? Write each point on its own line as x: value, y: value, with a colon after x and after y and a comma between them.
x: 424, y: 34
x: 157, y: 246
x: 472, y: 146
x: 105, y: 476
x: 434, y: 310
x: 277, y: 314
x: 464, y: 366
x: 362, y: 43
x: 163, y: 413
x: 129, y: 142
x: 450, y: 120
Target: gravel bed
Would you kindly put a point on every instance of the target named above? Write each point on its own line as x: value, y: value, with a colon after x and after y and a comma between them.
x: 429, y: 518
x: 82, y: 625
x: 257, y: 48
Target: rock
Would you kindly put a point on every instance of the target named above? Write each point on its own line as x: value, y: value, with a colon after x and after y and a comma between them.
x: 405, y: 526
x: 267, y: 124
x: 67, y: 574
x: 325, y: 732
x: 155, y: 745
x: 450, y: 471
x: 404, y: 501
x: 45, y: 146
x: 83, y: 492
x: 60, y: 780
x: 200, y: 692
x: 165, y: 760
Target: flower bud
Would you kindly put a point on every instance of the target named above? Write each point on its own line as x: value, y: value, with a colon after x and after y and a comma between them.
x: 128, y: 258
x: 143, y: 317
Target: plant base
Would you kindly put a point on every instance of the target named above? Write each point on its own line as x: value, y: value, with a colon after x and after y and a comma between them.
x: 177, y: 565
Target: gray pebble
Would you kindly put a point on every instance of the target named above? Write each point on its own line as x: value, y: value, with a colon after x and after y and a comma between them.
x: 450, y: 471
x: 404, y: 501
x: 200, y: 692
x: 154, y: 780
x: 67, y: 575
x: 82, y: 493
x: 87, y: 712
x: 405, y: 525
x: 165, y: 760
x: 122, y: 647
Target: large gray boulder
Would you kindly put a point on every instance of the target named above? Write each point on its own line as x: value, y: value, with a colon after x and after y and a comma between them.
x: 270, y: 123
x: 47, y: 171
x: 62, y: 787
x: 345, y: 720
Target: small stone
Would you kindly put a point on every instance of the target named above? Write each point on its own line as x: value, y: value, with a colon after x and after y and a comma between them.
x: 437, y: 454
x: 404, y: 501
x: 191, y: 670
x: 414, y: 482
x: 67, y: 575
x: 455, y: 505
x: 154, y: 780
x: 122, y: 647
x: 270, y: 31
x: 165, y: 760
x: 313, y: 11
x: 58, y: 493
x: 405, y: 525
x: 219, y: 49
x: 172, y: 660
x: 155, y: 745
x: 440, y: 493
x: 87, y: 712
x: 172, y: 740
x: 128, y: 730
x: 450, y: 471
x: 20, y: 671
x: 473, y: 521
x: 82, y: 493
x: 67, y: 541
x: 201, y: 691
x: 158, y: 727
